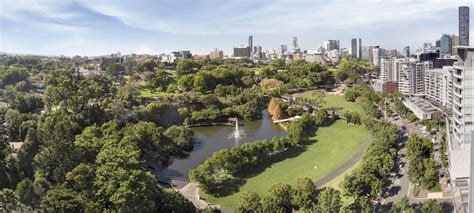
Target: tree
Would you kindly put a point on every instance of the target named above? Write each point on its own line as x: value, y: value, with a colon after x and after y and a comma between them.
x: 431, y: 206
x: 173, y: 201
x: 329, y: 200
x: 249, y: 202
x: 27, y: 153
x: 300, y: 130
x: 8, y: 200
x: 351, y: 94
x: 278, y: 64
x: 182, y: 137
x: 403, y: 205
x: 60, y: 199
x: 204, y: 82
x: 304, y: 193
x: 186, y: 66
x: 114, y: 69
x: 13, y: 120
x: 26, y: 194
x: 121, y: 182
x: 278, y: 198
x: 13, y: 75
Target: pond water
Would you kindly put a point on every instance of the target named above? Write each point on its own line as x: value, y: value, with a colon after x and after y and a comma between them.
x: 214, y: 138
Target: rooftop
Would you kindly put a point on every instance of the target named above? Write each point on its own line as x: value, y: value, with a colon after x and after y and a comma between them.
x: 422, y: 104
x: 16, y: 145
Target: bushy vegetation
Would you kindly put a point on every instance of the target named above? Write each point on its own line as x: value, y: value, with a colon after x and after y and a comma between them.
x: 421, y: 169
x: 284, y: 198
x: 366, y: 181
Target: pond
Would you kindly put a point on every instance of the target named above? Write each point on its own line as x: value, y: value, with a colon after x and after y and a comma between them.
x: 214, y: 138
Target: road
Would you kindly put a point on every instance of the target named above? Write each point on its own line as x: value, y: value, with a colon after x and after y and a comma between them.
x: 400, y: 184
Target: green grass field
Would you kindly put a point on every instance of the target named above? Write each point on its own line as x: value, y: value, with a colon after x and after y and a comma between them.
x: 339, y: 101
x: 332, y: 147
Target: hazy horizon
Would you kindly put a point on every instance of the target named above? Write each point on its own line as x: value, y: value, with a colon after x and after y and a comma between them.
x: 96, y: 28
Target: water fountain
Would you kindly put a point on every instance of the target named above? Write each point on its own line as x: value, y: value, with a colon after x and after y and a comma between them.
x: 237, y: 131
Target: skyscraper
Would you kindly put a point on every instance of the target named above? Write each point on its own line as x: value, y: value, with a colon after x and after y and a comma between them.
x: 446, y: 44
x: 356, y: 47
x: 375, y: 55
x: 406, y: 51
x: 294, y: 41
x: 464, y: 26
x: 251, y: 44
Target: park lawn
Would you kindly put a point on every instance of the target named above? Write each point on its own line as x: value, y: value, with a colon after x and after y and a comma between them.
x: 339, y: 101
x: 146, y: 93
x: 333, y: 146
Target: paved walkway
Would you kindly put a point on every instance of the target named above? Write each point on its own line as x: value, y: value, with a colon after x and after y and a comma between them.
x: 347, y: 165
x: 190, y: 192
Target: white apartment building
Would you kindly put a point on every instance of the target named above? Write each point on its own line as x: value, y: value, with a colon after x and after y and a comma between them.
x: 410, y: 75
x: 435, y: 85
x: 405, y: 77
x: 438, y: 86
x: 387, y: 69
x: 460, y: 131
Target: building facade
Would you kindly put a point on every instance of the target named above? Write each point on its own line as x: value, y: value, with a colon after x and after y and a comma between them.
x: 216, y: 54
x: 464, y: 26
x: 460, y: 130
x: 446, y: 44
x: 356, y: 47
x: 242, y: 52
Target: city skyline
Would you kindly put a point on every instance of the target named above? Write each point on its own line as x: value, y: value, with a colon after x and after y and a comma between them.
x: 93, y: 28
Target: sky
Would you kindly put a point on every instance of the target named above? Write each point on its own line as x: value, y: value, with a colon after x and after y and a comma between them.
x: 92, y: 28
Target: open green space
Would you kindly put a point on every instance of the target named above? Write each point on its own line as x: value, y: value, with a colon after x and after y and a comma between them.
x: 339, y: 101
x: 330, y: 148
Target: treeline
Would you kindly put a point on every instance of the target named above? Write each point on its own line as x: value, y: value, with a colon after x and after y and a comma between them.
x: 302, y: 197
x: 366, y: 181
x: 225, y: 164
x: 421, y: 168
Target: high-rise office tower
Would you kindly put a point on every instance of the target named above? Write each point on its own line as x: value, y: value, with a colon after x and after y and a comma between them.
x: 464, y: 26
x: 294, y: 42
x: 356, y: 47
x: 331, y: 45
x: 282, y: 49
x: 251, y: 44
x: 406, y: 51
x: 446, y: 44
x: 375, y: 55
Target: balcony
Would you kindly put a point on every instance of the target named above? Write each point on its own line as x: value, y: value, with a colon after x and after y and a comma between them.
x: 457, y: 85
x: 456, y: 119
x: 459, y: 65
x: 455, y: 75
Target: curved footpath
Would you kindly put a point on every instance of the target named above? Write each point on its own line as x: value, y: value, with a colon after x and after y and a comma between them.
x: 348, y: 164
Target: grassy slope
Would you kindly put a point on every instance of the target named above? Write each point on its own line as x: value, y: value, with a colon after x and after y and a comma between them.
x: 340, y: 101
x: 333, y: 146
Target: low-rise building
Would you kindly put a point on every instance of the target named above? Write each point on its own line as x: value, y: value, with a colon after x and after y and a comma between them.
x: 421, y: 108
x: 385, y: 87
